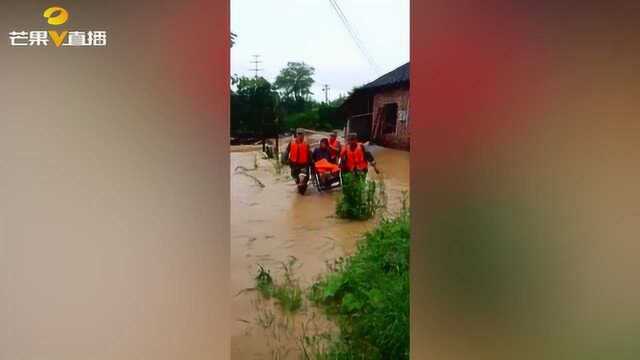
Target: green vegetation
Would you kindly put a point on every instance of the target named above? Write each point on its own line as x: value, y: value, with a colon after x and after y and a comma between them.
x: 264, y: 282
x: 261, y: 109
x: 288, y: 293
x: 360, y: 199
x: 368, y: 295
x: 315, y: 116
x: 253, y: 107
x: 295, y: 81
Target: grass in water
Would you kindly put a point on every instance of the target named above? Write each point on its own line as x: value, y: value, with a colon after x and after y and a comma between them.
x: 264, y: 282
x: 287, y: 293
x: 360, y: 199
x: 277, y: 165
x: 367, y: 294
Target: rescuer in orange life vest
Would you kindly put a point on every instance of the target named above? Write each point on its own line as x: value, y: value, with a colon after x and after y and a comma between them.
x: 298, y: 155
x: 334, y: 147
x: 327, y: 170
x: 356, y: 158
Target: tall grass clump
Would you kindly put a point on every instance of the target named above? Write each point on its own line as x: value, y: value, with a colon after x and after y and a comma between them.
x: 360, y: 199
x: 368, y: 295
x: 264, y: 282
x: 287, y: 292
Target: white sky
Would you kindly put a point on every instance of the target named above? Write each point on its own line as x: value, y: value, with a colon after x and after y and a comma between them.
x: 311, y: 31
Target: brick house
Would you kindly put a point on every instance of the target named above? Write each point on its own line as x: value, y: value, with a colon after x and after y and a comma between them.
x: 379, y: 110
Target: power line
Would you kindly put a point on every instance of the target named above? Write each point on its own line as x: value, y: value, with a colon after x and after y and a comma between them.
x: 256, y: 62
x: 354, y: 35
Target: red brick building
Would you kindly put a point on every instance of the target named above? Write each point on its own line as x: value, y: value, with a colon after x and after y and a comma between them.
x: 379, y: 110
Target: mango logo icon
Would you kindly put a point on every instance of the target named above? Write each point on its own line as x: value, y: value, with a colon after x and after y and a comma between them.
x: 56, y: 15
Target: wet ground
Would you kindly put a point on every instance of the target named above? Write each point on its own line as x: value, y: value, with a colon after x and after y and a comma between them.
x: 272, y: 224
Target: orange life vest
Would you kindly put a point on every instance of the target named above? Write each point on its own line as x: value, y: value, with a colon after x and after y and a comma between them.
x: 355, y: 159
x: 299, y: 153
x: 333, y: 147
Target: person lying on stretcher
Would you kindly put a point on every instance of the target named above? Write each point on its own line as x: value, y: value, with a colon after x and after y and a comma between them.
x: 327, y: 171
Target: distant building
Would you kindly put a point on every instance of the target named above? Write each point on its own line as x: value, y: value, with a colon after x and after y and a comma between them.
x: 379, y: 110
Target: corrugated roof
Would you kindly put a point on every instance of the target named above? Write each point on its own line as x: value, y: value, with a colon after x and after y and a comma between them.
x: 395, y: 77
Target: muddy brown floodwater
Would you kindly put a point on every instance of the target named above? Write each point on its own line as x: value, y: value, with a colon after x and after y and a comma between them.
x: 271, y: 224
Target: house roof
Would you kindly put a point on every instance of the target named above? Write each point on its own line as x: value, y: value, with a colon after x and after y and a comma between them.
x: 396, y: 77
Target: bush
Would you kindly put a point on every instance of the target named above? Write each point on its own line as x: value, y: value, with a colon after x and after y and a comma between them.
x: 360, y: 198
x: 368, y: 294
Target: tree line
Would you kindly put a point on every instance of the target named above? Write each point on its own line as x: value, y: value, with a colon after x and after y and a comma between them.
x: 263, y: 109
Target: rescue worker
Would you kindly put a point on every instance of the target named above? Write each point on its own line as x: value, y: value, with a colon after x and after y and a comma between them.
x: 326, y: 169
x: 334, y: 147
x: 298, y: 155
x: 356, y: 158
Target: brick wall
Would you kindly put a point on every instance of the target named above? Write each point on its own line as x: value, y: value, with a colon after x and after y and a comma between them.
x: 401, y: 97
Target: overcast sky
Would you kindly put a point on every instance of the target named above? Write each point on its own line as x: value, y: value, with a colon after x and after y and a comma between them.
x: 311, y: 31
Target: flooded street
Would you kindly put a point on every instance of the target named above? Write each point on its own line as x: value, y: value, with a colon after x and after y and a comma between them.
x: 271, y: 224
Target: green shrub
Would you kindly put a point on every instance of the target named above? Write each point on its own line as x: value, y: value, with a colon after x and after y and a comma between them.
x: 360, y: 199
x: 368, y: 295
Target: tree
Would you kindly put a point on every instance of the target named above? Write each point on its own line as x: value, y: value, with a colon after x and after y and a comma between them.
x: 330, y: 117
x: 253, y: 107
x: 295, y: 81
x: 339, y: 101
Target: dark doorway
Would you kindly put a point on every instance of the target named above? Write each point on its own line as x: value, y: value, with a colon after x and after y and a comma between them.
x: 390, y: 118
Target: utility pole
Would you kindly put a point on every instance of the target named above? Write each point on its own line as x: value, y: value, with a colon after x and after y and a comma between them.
x: 256, y: 68
x: 326, y: 88
x: 256, y: 64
